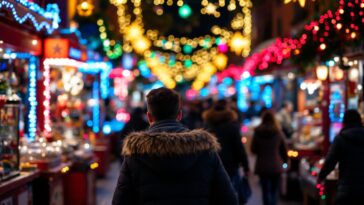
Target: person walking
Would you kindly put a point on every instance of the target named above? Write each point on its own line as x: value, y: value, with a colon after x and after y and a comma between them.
x: 137, y: 122
x: 223, y: 123
x: 270, y: 148
x: 169, y: 164
x: 347, y: 150
x: 285, y: 118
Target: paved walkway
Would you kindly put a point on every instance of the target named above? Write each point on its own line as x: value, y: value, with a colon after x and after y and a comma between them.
x: 106, y: 186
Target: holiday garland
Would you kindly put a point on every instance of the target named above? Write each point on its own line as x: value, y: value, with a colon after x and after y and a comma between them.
x: 321, y: 39
x: 176, y: 59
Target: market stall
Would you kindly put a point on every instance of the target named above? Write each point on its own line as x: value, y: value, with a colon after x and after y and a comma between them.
x: 340, y: 90
x: 20, y: 50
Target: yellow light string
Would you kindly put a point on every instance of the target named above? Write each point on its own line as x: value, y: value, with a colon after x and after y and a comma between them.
x: 202, y: 63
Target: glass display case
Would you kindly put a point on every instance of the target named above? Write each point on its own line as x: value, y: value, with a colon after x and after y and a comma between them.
x: 9, y: 136
x: 309, y: 135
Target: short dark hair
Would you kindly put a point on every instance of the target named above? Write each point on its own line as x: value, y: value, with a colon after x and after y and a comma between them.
x: 163, y: 104
x: 352, y: 118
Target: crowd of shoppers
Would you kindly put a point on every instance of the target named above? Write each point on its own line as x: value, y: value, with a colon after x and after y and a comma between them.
x: 196, y: 158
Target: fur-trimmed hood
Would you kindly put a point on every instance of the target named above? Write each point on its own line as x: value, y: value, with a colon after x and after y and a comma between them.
x: 164, y: 144
x: 216, y: 117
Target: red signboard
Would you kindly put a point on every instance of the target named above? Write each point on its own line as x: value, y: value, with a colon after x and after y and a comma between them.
x: 56, y: 48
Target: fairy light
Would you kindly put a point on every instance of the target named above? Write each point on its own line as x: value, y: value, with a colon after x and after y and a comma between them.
x: 316, y: 31
x: 91, y: 67
x: 50, y: 14
x: 169, y: 62
x: 32, y: 92
x: 47, y: 98
x: 112, y: 51
x: 96, y: 107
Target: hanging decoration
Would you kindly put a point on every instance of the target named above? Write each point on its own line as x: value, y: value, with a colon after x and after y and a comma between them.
x: 85, y: 8
x: 325, y: 37
x: 112, y: 48
x: 302, y: 3
x: 177, y: 59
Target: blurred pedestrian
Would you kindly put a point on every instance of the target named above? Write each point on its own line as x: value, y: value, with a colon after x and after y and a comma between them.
x: 285, y: 118
x: 222, y: 121
x: 348, y: 151
x: 269, y: 146
x: 137, y: 122
x: 169, y: 164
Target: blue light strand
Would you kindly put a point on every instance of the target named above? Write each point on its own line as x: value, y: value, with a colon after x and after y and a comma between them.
x: 32, y: 98
x: 105, y: 69
x: 96, y: 107
x: 51, y: 13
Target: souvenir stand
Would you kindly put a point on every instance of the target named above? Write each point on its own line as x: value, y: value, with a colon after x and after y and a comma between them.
x: 341, y: 89
x: 68, y: 162
x: 22, y: 25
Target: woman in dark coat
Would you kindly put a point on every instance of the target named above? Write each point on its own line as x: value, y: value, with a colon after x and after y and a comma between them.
x: 269, y: 146
x: 223, y: 123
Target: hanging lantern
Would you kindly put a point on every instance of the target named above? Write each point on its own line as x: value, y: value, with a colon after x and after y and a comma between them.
x: 336, y: 74
x: 354, y: 75
x: 85, y: 8
x: 322, y: 72
x: 301, y: 2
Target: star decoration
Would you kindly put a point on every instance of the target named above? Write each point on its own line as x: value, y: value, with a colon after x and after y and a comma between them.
x: 301, y: 2
x: 57, y: 49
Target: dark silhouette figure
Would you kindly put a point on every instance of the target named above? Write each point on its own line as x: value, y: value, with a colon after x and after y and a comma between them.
x: 223, y: 123
x: 348, y: 150
x: 269, y: 146
x: 169, y: 164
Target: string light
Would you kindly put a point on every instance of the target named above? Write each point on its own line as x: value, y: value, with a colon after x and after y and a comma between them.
x: 47, y: 98
x: 96, y: 107
x: 316, y: 32
x: 50, y: 14
x: 32, y: 92
x: 169, y: 63
x: 117, y: 50
x: 90, y: 67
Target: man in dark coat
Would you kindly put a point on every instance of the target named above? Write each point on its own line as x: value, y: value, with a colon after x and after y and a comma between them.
x: 168, y: 164
x: 348, y: 150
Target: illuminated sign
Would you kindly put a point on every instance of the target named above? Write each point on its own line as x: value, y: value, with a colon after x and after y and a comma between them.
x: 61, y: 48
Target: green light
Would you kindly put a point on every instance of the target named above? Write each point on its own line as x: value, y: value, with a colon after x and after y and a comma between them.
x: 185, y: 11
x: 188, y: 63
x: 187, y: 49
x: 172, y: 62
x: 323, y: 197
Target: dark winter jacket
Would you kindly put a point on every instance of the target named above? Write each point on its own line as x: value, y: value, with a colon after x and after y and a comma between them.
x: 224, y: 125
x: 168, y: 165
x: 347, y: 150
x: 270, y: 148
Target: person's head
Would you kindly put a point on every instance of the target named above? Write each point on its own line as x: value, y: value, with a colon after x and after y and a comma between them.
x: 269, y: 120
x: 163, y: 104
x: 352, y: 118
x: 288, y: 106
x: 220, y: 105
